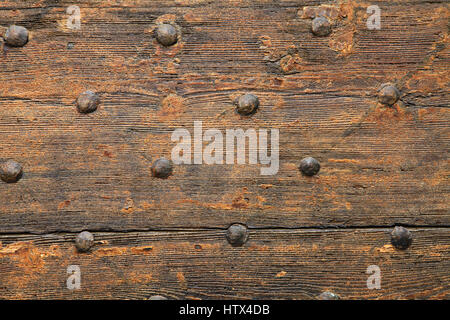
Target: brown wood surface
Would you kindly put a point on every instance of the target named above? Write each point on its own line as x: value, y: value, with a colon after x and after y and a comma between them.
x: 380, y: 166
x: 273, y: 264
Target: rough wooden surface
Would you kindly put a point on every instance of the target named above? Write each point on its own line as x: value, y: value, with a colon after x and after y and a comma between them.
x: 380, y: 166
x: 273, y: 264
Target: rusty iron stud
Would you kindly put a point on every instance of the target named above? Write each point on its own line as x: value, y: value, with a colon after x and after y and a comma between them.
x: 162, y: 168
x: 327, y: 295
x: 309, y: 166
x: 321, y: 26
x: 16, y: 36
x: 157, y: 297
x: 10, y: 171
x: 237, y: 234
x: 388, y: 94
x: 88, y: 102
x: 247, y: 104
x: 401, y: 238
x: 166, y: 34
x: 84, y: 241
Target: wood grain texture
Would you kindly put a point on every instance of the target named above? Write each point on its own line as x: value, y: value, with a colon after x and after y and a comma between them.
x: 379, y: 166
x: 273, y: 264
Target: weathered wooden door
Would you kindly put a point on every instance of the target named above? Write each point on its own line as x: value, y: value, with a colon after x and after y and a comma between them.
x: 158, y: 71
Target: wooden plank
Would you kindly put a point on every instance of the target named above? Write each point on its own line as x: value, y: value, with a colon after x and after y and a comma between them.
x: 380, y: 166
x: 273, y: 264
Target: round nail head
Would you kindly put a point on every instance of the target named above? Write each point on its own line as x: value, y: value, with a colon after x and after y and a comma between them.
x: 10, y: 171
x: 321, y: 26
x: 162, y: 168
x: 166, y: 34
x: 388, y: 94
x: 327, y: 295
x: 84, y: 241
x: 16, y: 36
x: 401, y: 238
x: 309, y: 166
x: 237, y: 234
x: 247, y: 104
x: 88, y: 102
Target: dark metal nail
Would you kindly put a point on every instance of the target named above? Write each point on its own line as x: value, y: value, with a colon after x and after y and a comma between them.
x: 247, y: 104
x: 10, y: 171
x: 84, y: 241
x: 157, y: 297
x: 88, y: 102
x: 237, y: 234
x: 166, y: 34
x: 162, y: 168
x: 309, y: 166
x: 327, y: 295
x: 321, y: 26
x: 401, y: 238
x: 16, y: 36
x: 388, y: 94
